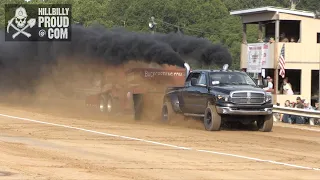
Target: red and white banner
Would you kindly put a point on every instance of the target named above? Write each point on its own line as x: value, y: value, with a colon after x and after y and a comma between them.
x: 258, y: 55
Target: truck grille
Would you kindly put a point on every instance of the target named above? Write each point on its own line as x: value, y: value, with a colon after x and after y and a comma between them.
x: 247, y: 97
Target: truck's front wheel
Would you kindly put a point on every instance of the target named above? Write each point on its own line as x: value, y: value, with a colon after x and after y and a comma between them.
x: 265, y: 124
x: 212, y: 120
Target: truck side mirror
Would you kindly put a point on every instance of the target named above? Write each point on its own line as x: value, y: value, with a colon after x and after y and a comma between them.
x: 194, y: 81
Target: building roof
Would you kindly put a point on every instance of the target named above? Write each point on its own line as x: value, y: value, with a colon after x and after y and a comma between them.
x: 272, y: 9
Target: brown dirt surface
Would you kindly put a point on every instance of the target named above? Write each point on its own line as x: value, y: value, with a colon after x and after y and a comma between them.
x: 34, y: 150
x: 31, y: 150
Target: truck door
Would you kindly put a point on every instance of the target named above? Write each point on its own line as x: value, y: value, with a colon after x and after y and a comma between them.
x: 198, y: 95
x: 186, y: 93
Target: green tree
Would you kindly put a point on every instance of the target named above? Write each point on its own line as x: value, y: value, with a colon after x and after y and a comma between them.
x: 202, y: 18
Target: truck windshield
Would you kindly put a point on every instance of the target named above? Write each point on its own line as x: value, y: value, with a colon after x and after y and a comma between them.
x: 226, y: 78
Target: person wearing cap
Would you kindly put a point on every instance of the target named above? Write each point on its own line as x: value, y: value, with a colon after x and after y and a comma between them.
x: 299, y: 103
x: 298, y: 119
x: 269, y: 88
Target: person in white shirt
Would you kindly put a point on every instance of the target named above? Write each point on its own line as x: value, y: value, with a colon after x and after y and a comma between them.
x: 312, y: 121
x: 287, y: 88
x: 307, y: 105
x: 269, y: 88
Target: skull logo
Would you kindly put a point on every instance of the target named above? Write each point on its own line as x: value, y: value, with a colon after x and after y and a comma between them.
x: 21, y: 17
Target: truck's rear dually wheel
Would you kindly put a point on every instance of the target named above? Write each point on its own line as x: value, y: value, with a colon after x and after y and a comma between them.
x: 168, y: 114
x: 105, y: 105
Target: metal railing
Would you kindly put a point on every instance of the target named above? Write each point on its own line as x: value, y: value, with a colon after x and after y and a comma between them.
x: 296, y: 111
x: 276, y: 109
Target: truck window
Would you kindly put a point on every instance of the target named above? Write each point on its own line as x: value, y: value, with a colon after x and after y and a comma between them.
x: 230, y: 78
x: 202, y: 79
x: 191, y: 75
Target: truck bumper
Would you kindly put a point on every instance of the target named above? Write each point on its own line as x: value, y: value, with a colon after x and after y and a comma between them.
x: 247, y: 112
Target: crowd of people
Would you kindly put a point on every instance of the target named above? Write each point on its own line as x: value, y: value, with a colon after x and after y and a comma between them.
x: 286, y: 89
x: 302, y: 104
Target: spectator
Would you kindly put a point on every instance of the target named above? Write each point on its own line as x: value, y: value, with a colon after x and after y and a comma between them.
x: 287, y: 88
x: 292, y: 40
x: 298, y: 119
x: 299, y: 103
x: 271, y: 40
x: 287, y: 103
x: 307, y: 105
x: 312, y: 121
x: 285, y: 117
x: 269, y: 88
x: 283, y: 37
x: 260, y: 81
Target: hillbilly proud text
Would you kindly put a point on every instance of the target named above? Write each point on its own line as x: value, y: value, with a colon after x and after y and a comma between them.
x: 55, y: 20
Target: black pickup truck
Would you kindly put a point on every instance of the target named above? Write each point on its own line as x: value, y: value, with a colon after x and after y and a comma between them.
x: 220, y: 96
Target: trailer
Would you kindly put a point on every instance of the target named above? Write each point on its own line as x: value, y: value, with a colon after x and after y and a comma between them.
x: 135, y: 91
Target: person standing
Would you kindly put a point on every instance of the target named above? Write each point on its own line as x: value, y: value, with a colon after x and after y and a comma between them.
x: 269, y: 88
x: 287, y: 88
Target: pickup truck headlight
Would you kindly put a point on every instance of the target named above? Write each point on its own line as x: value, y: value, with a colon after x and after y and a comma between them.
x: 268, y: 98
x: 223, y: 98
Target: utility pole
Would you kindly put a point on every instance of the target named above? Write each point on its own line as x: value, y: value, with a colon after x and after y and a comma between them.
x: 152, y: 25
x: 294, y: 3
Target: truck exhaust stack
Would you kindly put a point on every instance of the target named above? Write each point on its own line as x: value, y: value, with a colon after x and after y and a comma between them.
x: 187, y: 66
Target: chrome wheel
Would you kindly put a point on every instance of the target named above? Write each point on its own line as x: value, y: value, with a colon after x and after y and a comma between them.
x: 105, y: 106
x: 102, y: 105
x: 109, y: 105
x: 165, y: 114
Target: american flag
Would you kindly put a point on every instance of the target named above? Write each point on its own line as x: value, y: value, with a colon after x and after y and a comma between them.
x: 282, y: 62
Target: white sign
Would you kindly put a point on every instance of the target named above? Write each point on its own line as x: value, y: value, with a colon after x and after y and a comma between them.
x: 162, y: 73
x: 49, y: 23
x: 263, y: 73
x: 56, y: 20
x: 257, y: 57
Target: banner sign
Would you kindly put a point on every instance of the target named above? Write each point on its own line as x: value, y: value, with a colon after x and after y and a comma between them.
x: 258, y: 55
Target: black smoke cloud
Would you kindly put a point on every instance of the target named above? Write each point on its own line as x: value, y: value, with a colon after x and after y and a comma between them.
x: 198, y: 49
x: 22, y: 64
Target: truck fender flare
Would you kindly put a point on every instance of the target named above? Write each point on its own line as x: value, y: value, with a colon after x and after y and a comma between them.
x: 211, y: 101
x: 105, y: 95
x: 174, y: 101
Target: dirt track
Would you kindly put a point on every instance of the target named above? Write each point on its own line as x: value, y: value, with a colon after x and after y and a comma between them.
x: 31, y: 150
